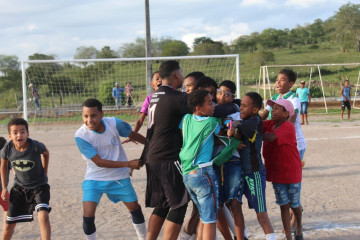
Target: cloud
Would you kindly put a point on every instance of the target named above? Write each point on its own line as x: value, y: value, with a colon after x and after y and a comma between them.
x: 189, y: 38
x: 257, y: 3
x: 302, y: 3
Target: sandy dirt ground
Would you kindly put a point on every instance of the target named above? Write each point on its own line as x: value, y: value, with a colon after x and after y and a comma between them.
x: 330, y: 188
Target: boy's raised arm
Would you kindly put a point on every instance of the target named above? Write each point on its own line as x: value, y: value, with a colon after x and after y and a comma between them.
x: 4, y: 170
x: 45, y: 161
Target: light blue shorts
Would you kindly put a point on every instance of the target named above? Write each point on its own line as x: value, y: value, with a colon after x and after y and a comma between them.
x: 119, y: 190
x: 203, y: 188
x: 287, y: 193
x: 302, y: 153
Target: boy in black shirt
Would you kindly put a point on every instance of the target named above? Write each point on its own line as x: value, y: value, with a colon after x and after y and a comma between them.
x: 30, y: 161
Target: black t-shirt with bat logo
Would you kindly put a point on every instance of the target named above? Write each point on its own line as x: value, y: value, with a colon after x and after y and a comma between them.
x: 29, y: 171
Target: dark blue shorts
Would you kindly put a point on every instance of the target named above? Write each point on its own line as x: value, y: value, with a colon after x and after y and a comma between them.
x: 254, y: 190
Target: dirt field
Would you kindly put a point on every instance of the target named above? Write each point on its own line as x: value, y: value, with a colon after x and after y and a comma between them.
x: 330, y: 188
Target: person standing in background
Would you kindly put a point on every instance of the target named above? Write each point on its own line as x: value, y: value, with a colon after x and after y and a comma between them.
x: 303, y: 93
x: 116, y: 94
x: 36, y: 96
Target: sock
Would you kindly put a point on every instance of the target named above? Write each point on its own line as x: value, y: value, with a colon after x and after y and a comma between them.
x: 229, y: 219
x: 270, y: 236
x: 193, y: 237
x: 140, y: 230
x: 91, y: 236
x: 245, y: 233
x: 183, y: 235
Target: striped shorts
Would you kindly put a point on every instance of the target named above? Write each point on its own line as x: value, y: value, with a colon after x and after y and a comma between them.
x: 254, y: 190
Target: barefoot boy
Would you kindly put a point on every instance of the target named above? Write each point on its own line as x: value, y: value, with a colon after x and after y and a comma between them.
x: 107, y: 166
x: 30, y: 161
x: 282, y: 161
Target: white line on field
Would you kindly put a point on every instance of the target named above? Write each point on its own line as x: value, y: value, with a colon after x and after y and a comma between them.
x: 331, y: 138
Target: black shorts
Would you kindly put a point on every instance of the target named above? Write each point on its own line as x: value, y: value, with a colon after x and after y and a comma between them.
x: 165, y: 187
x: 345, y: 104
x: 23, y: 202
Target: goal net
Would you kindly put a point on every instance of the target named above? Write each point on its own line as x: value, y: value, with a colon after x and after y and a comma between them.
x: 326, y: 78
x: 53, y: 90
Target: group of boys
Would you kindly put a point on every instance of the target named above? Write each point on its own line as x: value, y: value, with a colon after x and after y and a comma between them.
x: 194, y: 149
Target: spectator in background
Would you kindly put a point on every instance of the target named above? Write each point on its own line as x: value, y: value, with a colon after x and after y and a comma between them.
x: 128, y: 92
x: 116, y: 94
x: 303, y: 93
x: 345, y: 98
x: 36, y: 97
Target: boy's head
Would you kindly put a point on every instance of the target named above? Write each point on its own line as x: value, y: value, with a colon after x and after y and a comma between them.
x: 208, y: 84
x: 155, y: 80
x: 92, y: 114
x: 18, y: 130
x: 171, y: 73
x: 282, y: 109
x: 200, y: 102
x: 346, y: 83
x: 285, y: 80
x: 226, y: 92
x: 302, y: 84
x: 191, y: 80
x: 250, y: 105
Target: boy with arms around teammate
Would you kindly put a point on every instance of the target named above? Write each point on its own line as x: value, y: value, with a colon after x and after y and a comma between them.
x: 250, y: 131
x: 30, y: 161
x: 282, y: 161
x: 198, y: 131
x: 98, y: 140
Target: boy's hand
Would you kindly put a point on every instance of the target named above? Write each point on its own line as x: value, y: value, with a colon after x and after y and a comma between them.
x: 241, y: 146
x: 129, y: 140
x: 4, y: 194
x: 134, y: 164
x: 230, y: 132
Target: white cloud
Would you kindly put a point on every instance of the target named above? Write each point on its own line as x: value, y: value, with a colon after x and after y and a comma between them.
x: 302, y: 3
x: 261, y: 3
x: 189, y: 38
x: 31, y: 27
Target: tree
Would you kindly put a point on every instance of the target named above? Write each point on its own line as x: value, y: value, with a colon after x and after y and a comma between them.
x: 106, y: 52
x: 84, y: 52
x: 202, y: 40
x: 175, y: 48
x: 10, y: 74
x: 137, y: 49
x: 260, y: 58
x: 346, y: 23
x: 206, y: 46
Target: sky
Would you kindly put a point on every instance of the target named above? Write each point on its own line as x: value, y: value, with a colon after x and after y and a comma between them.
x: 58, y: 27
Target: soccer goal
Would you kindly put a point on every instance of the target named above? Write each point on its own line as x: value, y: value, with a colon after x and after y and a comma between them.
x: 62, y: 85
x: 265, y: 84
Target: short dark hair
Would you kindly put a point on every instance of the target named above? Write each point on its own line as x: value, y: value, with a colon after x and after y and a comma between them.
x: 92, y: 102
x: 291, y: 75
x: 152, y: 76
x: 2, y: 142
x: 196, y: 75
x: 18, y: 121
x: 197, y: 98
x: 229, y: 84
x: 168, y: 67
x: 205, y: 82
x: 257, y: 100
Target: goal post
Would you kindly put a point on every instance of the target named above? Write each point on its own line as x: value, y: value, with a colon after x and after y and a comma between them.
x: 265, y: 80
x: 62, y: 85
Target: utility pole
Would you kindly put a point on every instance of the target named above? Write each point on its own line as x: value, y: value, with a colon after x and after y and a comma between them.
x: 148, y: 48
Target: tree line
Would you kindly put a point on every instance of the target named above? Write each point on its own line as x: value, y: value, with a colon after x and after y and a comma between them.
x: 343, y: 29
